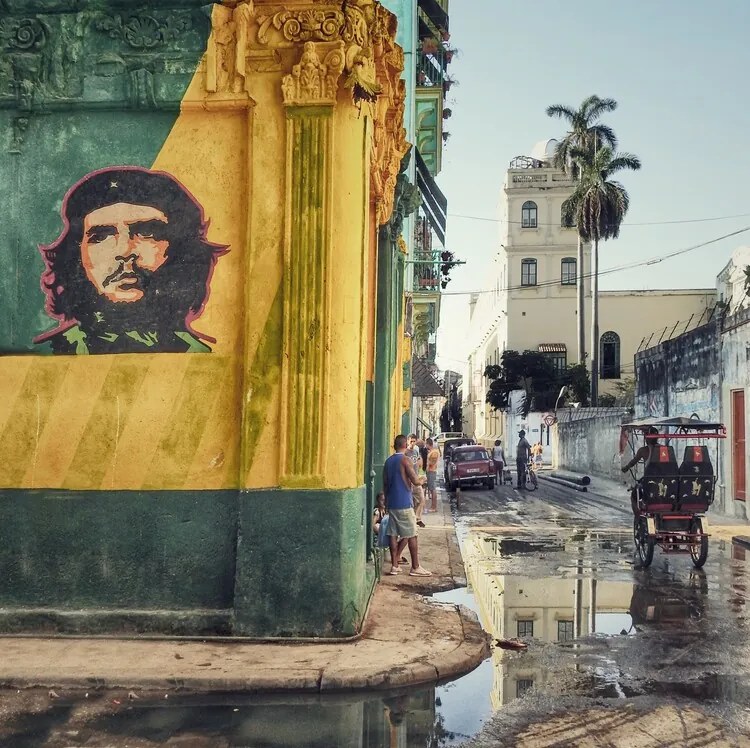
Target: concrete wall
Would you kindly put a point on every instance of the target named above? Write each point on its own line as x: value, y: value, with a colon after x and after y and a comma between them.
x: 588, y: 441
x: 735, y: 375
x: 681, y: 376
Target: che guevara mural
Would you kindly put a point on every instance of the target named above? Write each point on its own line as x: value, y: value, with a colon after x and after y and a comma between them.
x: 131, y: 271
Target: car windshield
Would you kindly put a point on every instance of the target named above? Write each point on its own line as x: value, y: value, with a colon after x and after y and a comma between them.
x: 473, y: 455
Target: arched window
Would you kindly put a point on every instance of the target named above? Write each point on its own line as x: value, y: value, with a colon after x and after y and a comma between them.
x: 528, y: 271
x: 568, y: 271
x: 610, y: 355
x: 528, y: 215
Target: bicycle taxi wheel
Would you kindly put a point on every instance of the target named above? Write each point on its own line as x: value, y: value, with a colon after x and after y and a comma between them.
x: 644, y: 545
x: 531, y: 482
x: 699, y: 546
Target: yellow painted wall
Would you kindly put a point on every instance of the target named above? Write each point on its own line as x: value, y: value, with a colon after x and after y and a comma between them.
x: 189, y: 421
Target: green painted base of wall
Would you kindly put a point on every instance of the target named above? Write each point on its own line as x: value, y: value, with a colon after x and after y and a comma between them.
x: 117, y: 549
x: 89, y: 621
x: 301, y: 563
x: 261, y: 563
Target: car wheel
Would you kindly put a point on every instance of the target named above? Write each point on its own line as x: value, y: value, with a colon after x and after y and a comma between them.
x: 491, y: 484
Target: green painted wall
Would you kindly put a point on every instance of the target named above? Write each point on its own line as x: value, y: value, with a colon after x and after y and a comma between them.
x: 118, y: 549
x: 78, y: 93
x: 301, y: 563
x: 385, y: 355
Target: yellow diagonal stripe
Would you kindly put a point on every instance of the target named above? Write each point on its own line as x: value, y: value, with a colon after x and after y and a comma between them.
x: 69, y: 415
x: 19, y: 441
x: 189, y: 419
x: 96, y: 447
x: 143, y: 421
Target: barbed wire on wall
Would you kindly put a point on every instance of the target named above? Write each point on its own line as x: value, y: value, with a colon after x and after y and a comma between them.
x: 669, y: 332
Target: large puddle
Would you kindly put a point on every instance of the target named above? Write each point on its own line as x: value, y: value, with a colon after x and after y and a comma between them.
x: 597, y: 629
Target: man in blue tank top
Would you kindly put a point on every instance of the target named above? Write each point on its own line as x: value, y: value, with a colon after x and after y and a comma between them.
x: 399, y: 477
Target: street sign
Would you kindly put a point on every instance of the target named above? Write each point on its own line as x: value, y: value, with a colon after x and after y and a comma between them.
x: 549, y: 419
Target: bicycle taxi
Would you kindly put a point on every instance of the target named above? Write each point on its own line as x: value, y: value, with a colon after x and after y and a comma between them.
x: 670, y: 500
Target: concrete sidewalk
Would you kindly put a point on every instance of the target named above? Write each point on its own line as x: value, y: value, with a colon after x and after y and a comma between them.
x: 407, y: 640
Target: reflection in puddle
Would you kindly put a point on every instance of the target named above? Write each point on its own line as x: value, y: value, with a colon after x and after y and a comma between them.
x: 516, y: 597
x: 426, y: 717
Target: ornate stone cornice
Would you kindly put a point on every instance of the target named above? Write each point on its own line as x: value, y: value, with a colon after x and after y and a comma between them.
x: 389, y: 137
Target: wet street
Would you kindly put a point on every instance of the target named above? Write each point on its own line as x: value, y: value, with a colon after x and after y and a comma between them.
x: 630, y: 656
x: 617, y: 655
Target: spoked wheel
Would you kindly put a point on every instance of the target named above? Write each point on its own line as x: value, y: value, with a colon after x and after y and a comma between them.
x: 644, y: 545
x: 531, y: 481
x: 699, y: 547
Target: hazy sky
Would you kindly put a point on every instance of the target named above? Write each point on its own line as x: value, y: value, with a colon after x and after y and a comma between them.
x: 680, y: 71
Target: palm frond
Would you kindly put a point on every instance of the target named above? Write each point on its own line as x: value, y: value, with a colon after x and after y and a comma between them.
x: 622, y: 161
x: 561, y: 112
x: 597, y: 106
x: 604, y: 135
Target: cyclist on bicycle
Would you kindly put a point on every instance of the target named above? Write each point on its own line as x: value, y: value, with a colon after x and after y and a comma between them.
x: 523, y: 456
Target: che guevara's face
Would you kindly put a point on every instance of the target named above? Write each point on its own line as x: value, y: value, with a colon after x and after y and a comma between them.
x: 119, y: 243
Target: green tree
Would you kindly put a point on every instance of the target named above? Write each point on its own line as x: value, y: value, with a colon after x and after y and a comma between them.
x: 597, y: 207
x: 585, y: 132
x: 535, y: 374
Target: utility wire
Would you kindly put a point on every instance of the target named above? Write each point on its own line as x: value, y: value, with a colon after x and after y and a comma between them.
x: 609, y: 271
x: 645, y: 223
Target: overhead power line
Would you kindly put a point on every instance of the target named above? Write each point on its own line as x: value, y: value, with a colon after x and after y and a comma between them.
x: 616, y: 269
x: 644, y: 223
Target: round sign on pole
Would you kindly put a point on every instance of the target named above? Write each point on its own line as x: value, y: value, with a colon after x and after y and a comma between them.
x: 549, y: 419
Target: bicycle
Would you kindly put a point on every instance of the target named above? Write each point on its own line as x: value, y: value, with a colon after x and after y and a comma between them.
x: 530, y: 480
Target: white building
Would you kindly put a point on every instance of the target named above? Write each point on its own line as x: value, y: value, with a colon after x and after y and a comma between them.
x: 532, y: 301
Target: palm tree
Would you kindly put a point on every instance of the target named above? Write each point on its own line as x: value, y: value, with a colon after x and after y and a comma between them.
x: 586, y: 133
x: 597, y: 207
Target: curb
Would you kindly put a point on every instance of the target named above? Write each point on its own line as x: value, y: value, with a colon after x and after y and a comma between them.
x: 467, y: 655
x: 743, y: 540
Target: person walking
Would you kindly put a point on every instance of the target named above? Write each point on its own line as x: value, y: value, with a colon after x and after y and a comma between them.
x: 523, y: 455
x: 433, y: 457
x: 398, y: 478
x: 537, y: 450
x: 498, y: 457
x: 412, y: 453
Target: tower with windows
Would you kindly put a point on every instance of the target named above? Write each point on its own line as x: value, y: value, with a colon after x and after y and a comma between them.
x: 537, y: 259
x: 532, y: 301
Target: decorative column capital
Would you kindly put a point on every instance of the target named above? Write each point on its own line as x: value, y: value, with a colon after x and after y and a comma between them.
x: 314, y: 80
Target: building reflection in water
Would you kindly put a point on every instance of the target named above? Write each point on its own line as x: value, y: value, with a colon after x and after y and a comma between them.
x: 548, y: 609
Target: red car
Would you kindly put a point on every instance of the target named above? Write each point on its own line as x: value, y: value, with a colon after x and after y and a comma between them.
x: 470, y: 464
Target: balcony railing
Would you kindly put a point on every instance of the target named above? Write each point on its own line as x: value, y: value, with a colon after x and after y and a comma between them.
x: 431, y: 68
x: 529, y: 177
x: 427, y: 275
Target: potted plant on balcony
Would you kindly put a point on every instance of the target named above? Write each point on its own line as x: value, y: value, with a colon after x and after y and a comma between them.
x: 430, y: 46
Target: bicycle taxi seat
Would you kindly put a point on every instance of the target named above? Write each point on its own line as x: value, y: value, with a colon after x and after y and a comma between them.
x: 659, y: 486
x: 696, y: 491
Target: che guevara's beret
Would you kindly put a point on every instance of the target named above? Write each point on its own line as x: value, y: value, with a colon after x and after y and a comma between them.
x: 136, y: 185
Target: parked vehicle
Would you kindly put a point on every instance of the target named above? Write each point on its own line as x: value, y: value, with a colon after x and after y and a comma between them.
x: 470, y: 465
x: 448, y: 446
x: 441, y: 438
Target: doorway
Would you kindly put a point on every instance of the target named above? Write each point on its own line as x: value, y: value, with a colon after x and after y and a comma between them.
x: 738, y: 445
